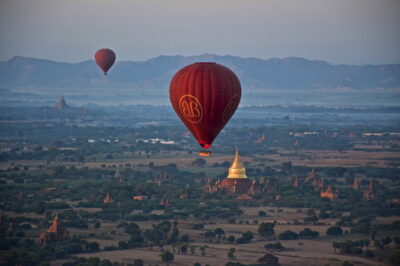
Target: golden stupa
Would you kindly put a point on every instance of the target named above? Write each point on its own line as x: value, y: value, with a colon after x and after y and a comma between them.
x: 237, y: 181
x: 237, y: 170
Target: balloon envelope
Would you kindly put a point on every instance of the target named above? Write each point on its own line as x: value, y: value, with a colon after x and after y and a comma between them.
x: 105, y: 58
x: 205, y: 96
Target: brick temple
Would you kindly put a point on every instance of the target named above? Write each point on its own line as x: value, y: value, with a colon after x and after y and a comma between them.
x: 55, y: 233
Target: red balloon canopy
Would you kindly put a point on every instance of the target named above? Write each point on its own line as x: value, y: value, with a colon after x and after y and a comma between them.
x: 205, y: 96
x: 105, y: 58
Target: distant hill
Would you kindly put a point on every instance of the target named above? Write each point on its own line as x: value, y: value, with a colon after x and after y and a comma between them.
x: 156, y: 73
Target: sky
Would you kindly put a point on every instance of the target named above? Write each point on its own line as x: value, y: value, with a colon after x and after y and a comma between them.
x: 338, y: 31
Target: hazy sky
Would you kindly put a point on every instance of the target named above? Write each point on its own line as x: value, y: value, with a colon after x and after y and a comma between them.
x: 339, y: 31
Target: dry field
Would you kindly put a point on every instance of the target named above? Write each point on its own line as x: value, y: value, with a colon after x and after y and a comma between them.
x: 310, y: 253
x: 348, y: 158
x: 298, y: 252
x: 329, y: 158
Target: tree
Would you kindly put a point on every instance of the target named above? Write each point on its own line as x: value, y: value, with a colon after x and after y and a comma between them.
x: 245, y: 238
x: 184, y: 248
x: 231, y: 253
x: 138, y: 262
x: 274, y: 246
x: 386, y: 241
x: 369, y: 253
x: 153, y: 235
x: 231, y: 239
x: 59, y: 170
x: 209, y: 234
x: 199, y: 162
x: 167, y: 256
x: 192, y: 250
x: 219, y: 231
x: 308, y: 233
x: 234, y: 264
x: 106, y: 263
x: 288, y: 235
x: 334, y: 231
x: 262, y: 213
x: 335, y: 246
x: 346, y: 263
x: 266, y: 229
x: 203, y: 250
x: 93, y: 246
x: 123, y: 245
x: 269, y: 259
x: 197, y: 226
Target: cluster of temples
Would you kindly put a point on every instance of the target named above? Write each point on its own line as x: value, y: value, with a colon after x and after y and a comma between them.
x: 333, y: 194
x: 370, y: 193
x: 237, y: 182
x: 161, y: 178
x: 315, y: 180
x: 55, y: 233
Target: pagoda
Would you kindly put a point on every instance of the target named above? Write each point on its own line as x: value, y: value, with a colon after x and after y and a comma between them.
x: 329, y: 193
x: 296, y: 182
x: 55, y: 233
x: 165, y: 201
x: 314, y: 179
x: 107, y: 199
x: 61, y: 103
x: 237, y: 181
x: 370, y: 193
x: 356, y: 184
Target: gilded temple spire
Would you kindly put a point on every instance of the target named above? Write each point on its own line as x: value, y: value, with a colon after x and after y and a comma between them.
x: 237, y: 170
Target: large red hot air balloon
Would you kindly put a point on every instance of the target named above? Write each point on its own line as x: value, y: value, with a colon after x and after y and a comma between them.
x: 105, y: 58
x: 205, y: 96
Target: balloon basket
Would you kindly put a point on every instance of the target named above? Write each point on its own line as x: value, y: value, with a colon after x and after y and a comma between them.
x: 204, y: 153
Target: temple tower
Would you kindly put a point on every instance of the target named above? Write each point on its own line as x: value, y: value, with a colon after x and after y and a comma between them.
x: 237, y: 180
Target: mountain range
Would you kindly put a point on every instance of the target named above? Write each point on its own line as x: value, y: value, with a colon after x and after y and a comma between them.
x: 156, y: 73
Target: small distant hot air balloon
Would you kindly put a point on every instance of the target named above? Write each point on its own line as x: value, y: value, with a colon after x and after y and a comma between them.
x: 205, y: 96
x: 105, y: 58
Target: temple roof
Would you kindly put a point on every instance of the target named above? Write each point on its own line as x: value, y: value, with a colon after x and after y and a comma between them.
x: 61, y: 103
x: 237, y: 170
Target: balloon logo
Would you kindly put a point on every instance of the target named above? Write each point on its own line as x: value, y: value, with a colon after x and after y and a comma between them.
x: 105, y: 58
x: 205, y: 96
x: 231, y: 107
x: 191, y: 109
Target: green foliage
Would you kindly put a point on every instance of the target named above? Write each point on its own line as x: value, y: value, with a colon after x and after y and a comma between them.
x: 167, y: 256
x: 395, y: 258
x: 269, y: 259
x: 198, y: 226
x: 219, y: 231
x: 262, y: 214
x: 209, y: 234
x: 266, y: 229
x: 274, y: 246
x: 231, y: 263
x: 334, y: 231
x: 346, y: 263
x: 308, y: 233
x: 245, y: 238
x: 288, y: 235
x: 199, y: 162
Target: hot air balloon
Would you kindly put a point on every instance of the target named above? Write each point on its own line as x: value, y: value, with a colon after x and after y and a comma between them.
x: 205, y: 96
x: 105, y: 58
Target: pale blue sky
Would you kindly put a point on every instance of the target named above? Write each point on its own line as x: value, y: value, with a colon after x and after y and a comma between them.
x: 339, y: 31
